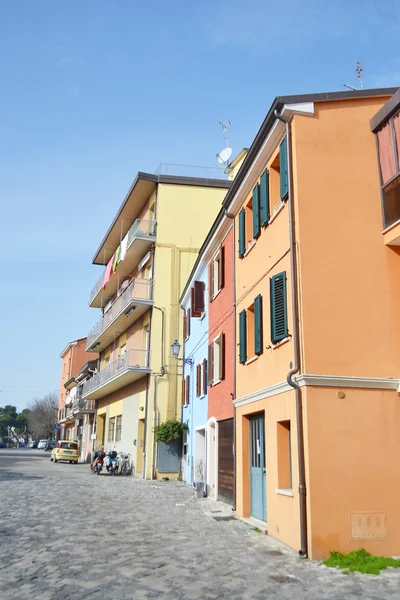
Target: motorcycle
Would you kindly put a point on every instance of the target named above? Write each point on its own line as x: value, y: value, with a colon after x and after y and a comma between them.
x: 112, y: 462
x: 97, y: 465
x: 126, y: 467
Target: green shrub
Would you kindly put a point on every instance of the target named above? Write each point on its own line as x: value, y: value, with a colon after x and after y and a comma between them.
x: 170, y: 431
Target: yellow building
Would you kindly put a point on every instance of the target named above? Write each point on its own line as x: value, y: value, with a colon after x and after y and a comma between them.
x: 148, y: 253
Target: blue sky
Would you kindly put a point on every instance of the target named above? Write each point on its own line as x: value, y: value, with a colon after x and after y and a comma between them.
x: 92, y: 92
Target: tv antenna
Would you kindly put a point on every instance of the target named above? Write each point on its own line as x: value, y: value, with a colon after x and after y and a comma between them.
x: 225, y: 154
x: 359, y: 75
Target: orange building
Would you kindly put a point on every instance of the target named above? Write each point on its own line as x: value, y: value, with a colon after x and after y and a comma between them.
x: 317, y: 370
x: 73, y: 417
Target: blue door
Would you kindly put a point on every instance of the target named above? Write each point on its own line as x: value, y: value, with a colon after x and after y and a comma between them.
x: 258, y: 503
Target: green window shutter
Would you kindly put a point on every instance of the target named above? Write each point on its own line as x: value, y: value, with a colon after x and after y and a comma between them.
x: 264, y: 198
x: 258, y: 325
x: 242, y: 233
x: 256, y: 211
x: 242, y: 337
x: 283, y: 169
x: 279, y: 329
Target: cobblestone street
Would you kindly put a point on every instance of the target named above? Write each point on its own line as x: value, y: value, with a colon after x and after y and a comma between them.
x: 67, y: 534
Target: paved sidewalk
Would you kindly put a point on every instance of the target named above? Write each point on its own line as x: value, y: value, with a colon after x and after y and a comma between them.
x: 67, y: 534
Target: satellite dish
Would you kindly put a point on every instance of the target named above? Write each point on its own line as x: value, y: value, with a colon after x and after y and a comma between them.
x: 224, y: 155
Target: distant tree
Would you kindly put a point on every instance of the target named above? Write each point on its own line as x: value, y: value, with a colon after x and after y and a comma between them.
x: 42, y: 416
x: 8, y: 418
x: 21, y: 422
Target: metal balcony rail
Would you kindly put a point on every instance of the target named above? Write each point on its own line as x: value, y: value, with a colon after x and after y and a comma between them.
x: 81, y: 405
x: 141, y: 227
x: 139, y: 289
x: 194, y: 171
x: 132, y: 359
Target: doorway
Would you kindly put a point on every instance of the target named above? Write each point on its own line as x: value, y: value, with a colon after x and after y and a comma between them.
x: 199, y: 456
x: 212, y: 460
x: 258, y: 504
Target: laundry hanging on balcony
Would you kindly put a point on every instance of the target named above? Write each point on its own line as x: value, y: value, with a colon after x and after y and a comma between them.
x: 123, y: 248
x: 107, y: 272
x: 116, y: 259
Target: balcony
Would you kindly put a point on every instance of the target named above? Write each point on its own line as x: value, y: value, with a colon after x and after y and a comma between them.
x: 129, y: 367
x: 130, y: 306
x: 391, y: 212
x: 83, y: 407
x: 67, y: 415
x: 141, y: 236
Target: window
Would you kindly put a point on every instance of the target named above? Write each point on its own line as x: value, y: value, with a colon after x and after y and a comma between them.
x: 187, y: 390
x: 264, y: 198
x: 186, y: 324
x: 122, y: 350
x: 198, y: 380
x: 216, y: 360
x: 249, y: 224
x: 201, y: 379
x: 391, y: 203
x: 251, y: 331
x: 242, y: 233
x: 111, y: 429
x: 205, y: 377
x: 197, y: 299
x: 119, y: 429
x: 279, y: 329
x: 284, y: 455
x: 217, y: 273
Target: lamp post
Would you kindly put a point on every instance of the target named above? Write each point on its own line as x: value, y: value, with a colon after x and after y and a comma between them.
x: 175, y: 347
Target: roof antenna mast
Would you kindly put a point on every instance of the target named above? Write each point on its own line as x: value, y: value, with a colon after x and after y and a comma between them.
x: 225, y: 154
x: 359, y: 75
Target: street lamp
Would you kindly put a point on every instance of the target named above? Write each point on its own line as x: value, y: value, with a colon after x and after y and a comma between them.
x: 175, y: 347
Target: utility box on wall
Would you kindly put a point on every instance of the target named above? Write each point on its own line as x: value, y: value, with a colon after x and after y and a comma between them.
x: 169, y: 457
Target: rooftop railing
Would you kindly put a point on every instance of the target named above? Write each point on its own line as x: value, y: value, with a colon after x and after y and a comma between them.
x: 194, y: 171
x: 130, y: 360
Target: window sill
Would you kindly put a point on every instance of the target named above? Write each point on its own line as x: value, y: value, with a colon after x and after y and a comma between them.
x: 213, y: 297
x: 203, y: 316
x: 391, y: 227
x: 279, y: 344
x: 251, y: 360
x: 288, y: 492
x: 215, y: 383
x: 249, y: 248
x: 276, y: 213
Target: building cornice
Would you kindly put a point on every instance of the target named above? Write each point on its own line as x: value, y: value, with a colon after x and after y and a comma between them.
x: 371, y: 383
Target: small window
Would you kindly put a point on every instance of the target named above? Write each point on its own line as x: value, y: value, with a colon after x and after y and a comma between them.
x: 217, y: 273
x: 249, y: 224
x: 279, y: 328
x: 284, y: 455
x: 111, y: 429
x: 216, y: 360
x: 250, y: 332
x: 118, y: 429
x: 197, y: 298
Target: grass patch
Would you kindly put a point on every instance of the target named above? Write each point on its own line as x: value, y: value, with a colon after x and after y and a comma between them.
x: 362, y: 561
x: 256, y: 529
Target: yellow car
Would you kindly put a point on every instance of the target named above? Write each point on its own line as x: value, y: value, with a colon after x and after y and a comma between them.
x: 65, y: 450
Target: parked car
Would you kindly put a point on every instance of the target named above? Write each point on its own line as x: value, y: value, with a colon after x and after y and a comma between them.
x: 2, y: 444
x: 67, y: 451
x: 33, y: 444
x: 42, y: 445
x: 50, y: 444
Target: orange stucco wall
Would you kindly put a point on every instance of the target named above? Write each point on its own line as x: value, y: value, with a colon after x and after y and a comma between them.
x: 350, y: 281
x: 72, y: 362
x: 221, y: 317
x: 353, y: 449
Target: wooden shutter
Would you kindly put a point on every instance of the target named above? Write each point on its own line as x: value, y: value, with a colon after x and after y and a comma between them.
x: 185, y: 335
x: 197, y: 298
x: 279, y: 329
x: 204, y: 377
x: 283, y: 169
x: 188, y: 317
x: 256, y: 212
x: 183, y: 392
x: 264, y: 198
x: 187, y: 391
x: 221, y: 268
x: 242, y: 232
x: 210, y: 364
x: 221, y: 356
x: 242, y: 337
x: 211, y: 280
x: 258, y: 325
x: 198, y: 380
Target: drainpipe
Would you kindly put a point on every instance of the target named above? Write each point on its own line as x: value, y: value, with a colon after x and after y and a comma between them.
x: 296, y: 343
x: 233, y: 394
x: 161, y: 374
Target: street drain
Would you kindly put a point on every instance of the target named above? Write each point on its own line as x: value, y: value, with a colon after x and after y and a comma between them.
x: 283, y: 578
x: 224, y: 518
x: 274, y: 552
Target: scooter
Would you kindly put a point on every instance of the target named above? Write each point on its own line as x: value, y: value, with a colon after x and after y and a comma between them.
x: 97, y: 464
x: 112, y: 462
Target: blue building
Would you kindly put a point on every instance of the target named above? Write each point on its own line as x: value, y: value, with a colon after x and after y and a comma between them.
x: 194, y: 385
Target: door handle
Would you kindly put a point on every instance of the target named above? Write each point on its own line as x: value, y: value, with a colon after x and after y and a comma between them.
x: 264, y: 471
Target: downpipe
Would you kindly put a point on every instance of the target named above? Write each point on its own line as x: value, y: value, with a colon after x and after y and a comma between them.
x: 296, y: 343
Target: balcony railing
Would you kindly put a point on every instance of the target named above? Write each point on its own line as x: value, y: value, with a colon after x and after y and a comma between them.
x: 132, y: 360
x: 195, y: 171
x: 141, y: 228
x: 137, y: 291
x: 81, y: 405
